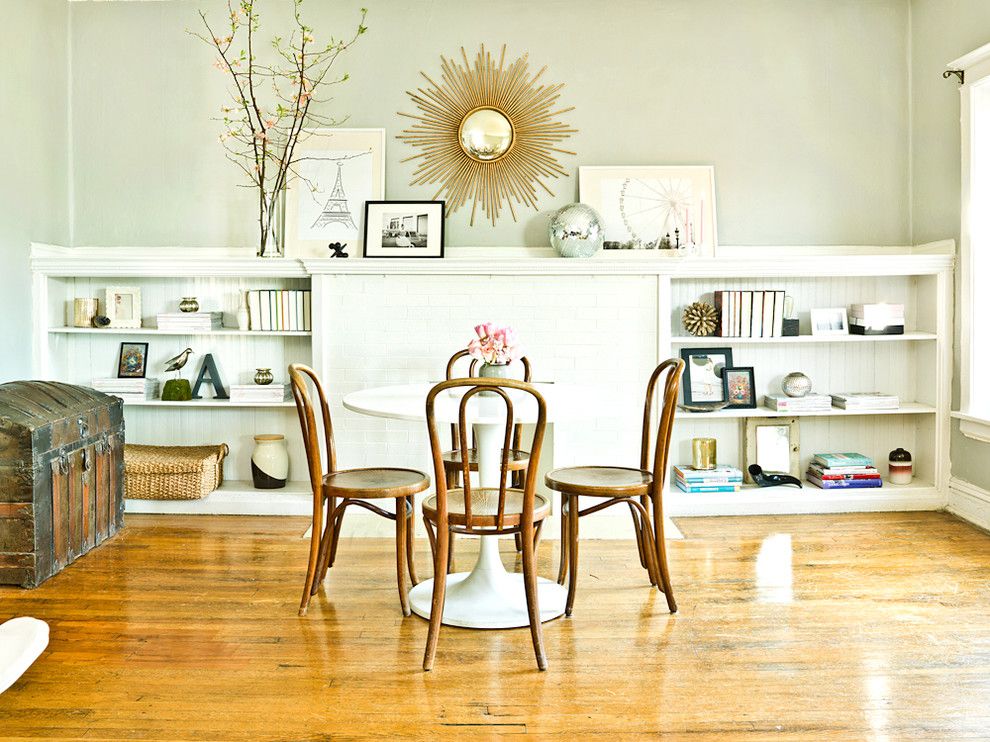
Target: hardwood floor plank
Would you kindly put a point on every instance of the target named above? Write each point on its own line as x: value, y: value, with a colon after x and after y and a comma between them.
x: 793, y: 628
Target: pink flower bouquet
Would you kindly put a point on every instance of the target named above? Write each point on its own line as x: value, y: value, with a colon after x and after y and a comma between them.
x: 495, y: 344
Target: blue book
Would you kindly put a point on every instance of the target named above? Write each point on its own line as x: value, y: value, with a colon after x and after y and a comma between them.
x: 829, y: 460
x: 707, y: 487
x: 849, y: 484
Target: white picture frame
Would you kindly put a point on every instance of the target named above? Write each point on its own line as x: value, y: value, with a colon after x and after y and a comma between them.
x: 317, y: 212
x: 774, y: 444
x: 829, y: 321
x: 641, y: 204
x: 122, y: 306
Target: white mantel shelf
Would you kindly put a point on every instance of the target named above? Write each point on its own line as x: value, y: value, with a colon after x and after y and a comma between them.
x: 736, y: 262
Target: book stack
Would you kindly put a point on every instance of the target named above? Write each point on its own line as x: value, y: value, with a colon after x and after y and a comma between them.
x: 750, y: 314
x: 190, y: 321
x: 256, y: 393
x: 129, y: 390
x: 829, y: 471
x: 807, y: 403
x: 722, y: 479
x: 876, y: 319
x: 866, y: 401
x: 280, y: 310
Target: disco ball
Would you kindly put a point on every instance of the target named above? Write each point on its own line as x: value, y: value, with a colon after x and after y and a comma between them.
x: 576, y: 231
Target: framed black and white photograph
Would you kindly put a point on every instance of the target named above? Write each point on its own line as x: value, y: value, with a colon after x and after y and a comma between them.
x: 832, y: 321
x: 739, y: 387
x: 133, y: 361
x: 403, y: 229
x: 123, y: 306
x: 703, y: 368
x: 338, y: 171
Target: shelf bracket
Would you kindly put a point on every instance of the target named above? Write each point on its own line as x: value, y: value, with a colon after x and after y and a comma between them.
x: 961, y: 74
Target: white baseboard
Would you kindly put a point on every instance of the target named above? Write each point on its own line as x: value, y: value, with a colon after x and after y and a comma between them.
x: 969, y: 502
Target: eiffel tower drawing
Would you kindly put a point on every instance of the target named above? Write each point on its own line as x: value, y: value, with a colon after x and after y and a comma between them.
x: 335, y: 210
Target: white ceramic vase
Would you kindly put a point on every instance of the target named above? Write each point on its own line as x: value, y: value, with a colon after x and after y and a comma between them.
x: 269, y: 462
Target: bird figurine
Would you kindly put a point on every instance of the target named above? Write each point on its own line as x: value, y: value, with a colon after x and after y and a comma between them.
x: 176, y: 364
x: 771, y: 479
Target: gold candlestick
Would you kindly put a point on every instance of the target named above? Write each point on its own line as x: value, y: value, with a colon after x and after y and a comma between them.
x: 703, y: 454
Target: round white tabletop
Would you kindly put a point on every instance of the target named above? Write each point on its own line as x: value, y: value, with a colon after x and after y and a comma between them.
x: 487, y: 597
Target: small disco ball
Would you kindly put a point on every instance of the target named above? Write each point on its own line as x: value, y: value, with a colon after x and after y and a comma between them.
x: 576, y: 231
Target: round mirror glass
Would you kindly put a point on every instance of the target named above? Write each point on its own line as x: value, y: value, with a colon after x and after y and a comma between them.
x: 486, y: 134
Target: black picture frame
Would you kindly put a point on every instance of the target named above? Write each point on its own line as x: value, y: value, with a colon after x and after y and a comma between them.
x: 749, y: 402
x: 374, y: 232
x: 692, y: 368
x: 128, y: 351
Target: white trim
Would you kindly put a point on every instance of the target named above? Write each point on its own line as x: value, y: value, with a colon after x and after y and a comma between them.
x: 967, y: 61
x: 969, y: 502
x: 973, y: 427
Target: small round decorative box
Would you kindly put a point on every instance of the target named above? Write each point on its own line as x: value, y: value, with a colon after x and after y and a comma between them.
x: 901, y: 466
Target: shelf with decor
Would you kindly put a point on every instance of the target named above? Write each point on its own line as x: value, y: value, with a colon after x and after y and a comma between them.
x: 804, y: 339
x: 236, y: 497
x: 906, y: 408
x: 185, y: 333
x: 200, y: 403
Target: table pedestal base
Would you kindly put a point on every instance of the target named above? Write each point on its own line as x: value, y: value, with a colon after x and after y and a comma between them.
x: 488, y: 597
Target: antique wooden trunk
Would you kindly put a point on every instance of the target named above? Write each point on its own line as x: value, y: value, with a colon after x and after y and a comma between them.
x: 61, y: 476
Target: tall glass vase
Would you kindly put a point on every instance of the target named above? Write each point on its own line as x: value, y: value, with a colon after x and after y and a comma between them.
x: 274, y: 245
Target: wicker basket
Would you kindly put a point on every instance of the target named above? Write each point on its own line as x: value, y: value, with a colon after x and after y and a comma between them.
x: 172, y: 472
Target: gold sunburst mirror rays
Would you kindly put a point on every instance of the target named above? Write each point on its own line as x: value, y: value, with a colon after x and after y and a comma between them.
x: 488, y: 132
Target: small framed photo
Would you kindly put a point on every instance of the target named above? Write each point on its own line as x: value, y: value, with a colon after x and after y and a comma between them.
x: 703, y: 369
x: 403, y: 229
x: 774, y: 444
x: 123, y: 306
x: 832, y: 321
x: 133, y: 361
x: 739, y: 387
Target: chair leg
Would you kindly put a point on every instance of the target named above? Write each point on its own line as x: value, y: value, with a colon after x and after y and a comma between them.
x: 432, y: 538
x: 338, y: 521
x: 411, y: 541
x: 660, y: 544
x: 532, y: 596
x: 572, y: 546
x: 439, y: 591
x: 400, y: 553
x: 450, y: 553
x: 324, y: 560
x: 564, y: 536
x: 314, y: 553
x: 642, y: 527
x: 518, y: 540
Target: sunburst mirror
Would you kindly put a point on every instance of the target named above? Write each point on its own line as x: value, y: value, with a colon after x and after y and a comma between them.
x: 488, y: 133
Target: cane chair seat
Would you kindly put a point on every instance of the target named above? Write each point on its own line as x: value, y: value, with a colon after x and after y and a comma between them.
x: 484, y: 507
x: 600, y: 481
x: 376, y: 482
x: 518, y: 460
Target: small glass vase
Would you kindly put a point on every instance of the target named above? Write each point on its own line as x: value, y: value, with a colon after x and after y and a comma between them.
x: 274, y: 246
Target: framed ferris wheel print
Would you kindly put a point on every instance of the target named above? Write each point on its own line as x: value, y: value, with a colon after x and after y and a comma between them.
x: 663, y: 207
x: 337, y: 172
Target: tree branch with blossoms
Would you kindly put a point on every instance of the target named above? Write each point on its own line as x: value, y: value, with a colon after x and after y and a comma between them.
x: 271, y: 100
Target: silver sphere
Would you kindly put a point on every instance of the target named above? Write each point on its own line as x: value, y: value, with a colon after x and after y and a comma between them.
x: 796, y: 384
x: 576, y: 231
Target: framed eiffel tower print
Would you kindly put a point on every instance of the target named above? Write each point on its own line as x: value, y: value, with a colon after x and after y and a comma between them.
x: 338, y: 171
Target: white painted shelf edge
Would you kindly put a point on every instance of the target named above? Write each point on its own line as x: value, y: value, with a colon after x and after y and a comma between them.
x: 716, y: 341
x: 906, y: 408
x: 202, y: 403
x: 235, y: 497
x: 156, y: 331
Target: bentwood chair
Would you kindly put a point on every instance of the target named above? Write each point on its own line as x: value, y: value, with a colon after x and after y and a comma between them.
x: 640, y: 489
x: 453, y: 459
x: 349, y: 487
x: 485, y: 511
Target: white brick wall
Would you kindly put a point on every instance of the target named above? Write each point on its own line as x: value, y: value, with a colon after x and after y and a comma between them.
x: 599, y: 331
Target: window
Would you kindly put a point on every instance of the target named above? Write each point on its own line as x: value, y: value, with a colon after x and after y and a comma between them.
x: 974, y: 417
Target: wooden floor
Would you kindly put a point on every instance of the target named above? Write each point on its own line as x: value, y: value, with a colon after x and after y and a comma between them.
x: 793, y: 628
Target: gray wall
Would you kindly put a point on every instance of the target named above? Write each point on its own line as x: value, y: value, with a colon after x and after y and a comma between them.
x: 943, y: 30
x: 801, y: 106
x: 33, y: 128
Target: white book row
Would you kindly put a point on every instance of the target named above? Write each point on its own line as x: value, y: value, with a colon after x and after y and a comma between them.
x: 288, y: 310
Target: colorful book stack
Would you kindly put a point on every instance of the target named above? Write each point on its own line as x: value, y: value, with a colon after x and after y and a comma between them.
x: 190, y: 321
x: 876, y: 319
x: 807, y: 403
x: 750, y: 314
x: 722, y: 479
x: 830, y: 471
x: 280, y: 310
x: 866, y: 401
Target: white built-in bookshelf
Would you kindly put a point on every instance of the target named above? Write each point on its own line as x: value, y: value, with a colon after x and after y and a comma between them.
x: 629, y: 311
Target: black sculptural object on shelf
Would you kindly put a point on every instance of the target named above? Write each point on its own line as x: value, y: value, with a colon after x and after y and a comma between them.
x: 338, y: 249
x: 771, y: 479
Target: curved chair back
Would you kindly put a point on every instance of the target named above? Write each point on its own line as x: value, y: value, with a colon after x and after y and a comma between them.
x: 302, y: 377
x: 670, y: 370
x: 473, y: 373
x: 494, y: 388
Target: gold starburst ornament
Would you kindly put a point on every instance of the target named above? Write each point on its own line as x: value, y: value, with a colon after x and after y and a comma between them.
x: 700, y: 318
x: 487, y: 133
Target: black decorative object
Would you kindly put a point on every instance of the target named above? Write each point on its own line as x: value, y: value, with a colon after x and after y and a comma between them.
x: 961, y: 74
x: 208, y: 372
x: 791, y: 328
x: 338, y: 249
x: 101, y: 321
x: 766, y: 479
